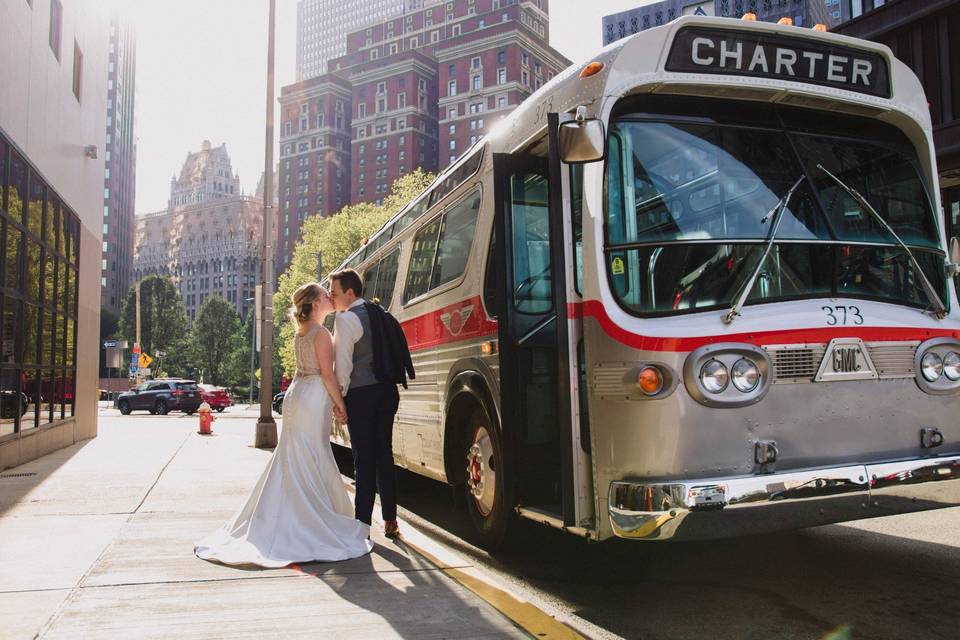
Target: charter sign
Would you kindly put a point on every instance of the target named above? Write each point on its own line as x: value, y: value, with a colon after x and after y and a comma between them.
x: 723, y: 51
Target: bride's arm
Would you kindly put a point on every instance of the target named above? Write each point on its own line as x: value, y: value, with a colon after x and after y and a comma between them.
x: 323, y: 345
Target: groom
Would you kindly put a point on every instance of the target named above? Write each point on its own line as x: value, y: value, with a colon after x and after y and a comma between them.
x: 371, y: 405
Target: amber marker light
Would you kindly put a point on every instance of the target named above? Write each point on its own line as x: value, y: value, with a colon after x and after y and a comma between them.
x: 785, y: 20
x: 751, y: 17
x: 650, y: 381
x: 820, y: 27
x: 488, y: 348
x: 592, y: 69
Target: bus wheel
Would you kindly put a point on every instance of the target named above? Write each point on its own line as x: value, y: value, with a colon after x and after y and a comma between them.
x: 487, y: 497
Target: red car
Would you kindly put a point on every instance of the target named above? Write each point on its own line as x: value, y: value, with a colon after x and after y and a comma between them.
x: 216, y: 397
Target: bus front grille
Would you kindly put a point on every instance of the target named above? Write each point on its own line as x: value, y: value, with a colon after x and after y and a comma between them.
x: 795, y: 363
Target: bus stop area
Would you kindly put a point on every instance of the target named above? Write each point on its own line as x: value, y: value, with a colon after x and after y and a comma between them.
x: 97, y: 541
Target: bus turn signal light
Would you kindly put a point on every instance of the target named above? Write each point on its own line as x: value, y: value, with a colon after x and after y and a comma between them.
x: 650, y: 381
x: 752, y: 17
x: 820, y: 27
x: 488, y: 348
x: 785, y: 20
x: 591, y: 69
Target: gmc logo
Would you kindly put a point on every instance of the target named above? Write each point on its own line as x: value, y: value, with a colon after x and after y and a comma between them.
x: 845, y: 359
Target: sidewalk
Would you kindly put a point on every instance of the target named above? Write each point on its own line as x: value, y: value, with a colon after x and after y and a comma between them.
x: 99, y: 543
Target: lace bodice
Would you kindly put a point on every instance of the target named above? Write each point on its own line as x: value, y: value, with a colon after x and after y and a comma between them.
x: 305, y: 354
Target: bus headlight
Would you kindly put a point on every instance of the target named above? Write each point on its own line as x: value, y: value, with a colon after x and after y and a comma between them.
x: 746, y: 375
x: 931, y: 366
x: 951, y: 366
x: 714, y: 376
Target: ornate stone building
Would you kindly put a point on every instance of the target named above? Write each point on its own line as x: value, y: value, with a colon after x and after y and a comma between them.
x: 208, y: 238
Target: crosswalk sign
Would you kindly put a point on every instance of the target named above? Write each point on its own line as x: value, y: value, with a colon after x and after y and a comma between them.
x: 145, y: 361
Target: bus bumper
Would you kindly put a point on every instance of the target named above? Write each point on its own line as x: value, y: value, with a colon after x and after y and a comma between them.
x: 722, y: 507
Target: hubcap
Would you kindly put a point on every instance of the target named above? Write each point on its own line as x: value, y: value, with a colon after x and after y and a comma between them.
x: 481, y: 475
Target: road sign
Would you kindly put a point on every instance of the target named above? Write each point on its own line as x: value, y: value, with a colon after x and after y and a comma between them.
x: 145, y: 361
x: 145, y: 372
x: 109, y: 344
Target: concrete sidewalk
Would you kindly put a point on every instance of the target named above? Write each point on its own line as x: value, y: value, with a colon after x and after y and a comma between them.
x: 97, y: 541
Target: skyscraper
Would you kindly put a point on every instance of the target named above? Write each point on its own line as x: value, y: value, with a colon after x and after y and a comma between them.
x: 415, y: 90
x: 120, y: 171
x: 323, y: 25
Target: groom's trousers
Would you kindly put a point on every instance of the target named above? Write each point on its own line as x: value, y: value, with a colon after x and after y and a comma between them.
x: 370, y: 412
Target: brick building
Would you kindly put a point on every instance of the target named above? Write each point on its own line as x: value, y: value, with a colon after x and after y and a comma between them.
x: 418, y: 90
x: 208, y: 238
x: 120, y: 172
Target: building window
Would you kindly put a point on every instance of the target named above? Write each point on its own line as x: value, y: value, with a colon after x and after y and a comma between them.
x: 56, y: 27
x: 456, y: 30
x: 435, y: 36
x: 501, y: 76
x: 77, y: 70
x: 501, y: 57
x: 373, y: 54
x: 381, y: 87
x: 452, y: 113
x: 452, y: 88
x: 39, y: 301
x: 414, y: 43
x: 475, y: 63
x: 525, y: 78
x: 453, y: 129
x: 453, y: 145
x: 477, y: 82
x: 401, y: 100
x: 501, y: 101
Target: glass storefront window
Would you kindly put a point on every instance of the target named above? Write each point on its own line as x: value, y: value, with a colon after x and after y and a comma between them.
x: 39, y: 237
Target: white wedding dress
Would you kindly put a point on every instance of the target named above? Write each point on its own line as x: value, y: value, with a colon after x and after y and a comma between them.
x: 299, y: 510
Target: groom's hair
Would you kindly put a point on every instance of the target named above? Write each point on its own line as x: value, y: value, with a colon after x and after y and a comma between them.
x: 349, y: 279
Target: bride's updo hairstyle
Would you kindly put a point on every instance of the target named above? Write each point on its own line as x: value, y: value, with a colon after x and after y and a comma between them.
x: 303, y: 300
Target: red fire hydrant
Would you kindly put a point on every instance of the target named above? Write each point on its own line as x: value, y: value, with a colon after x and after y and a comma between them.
x: 206, y: 419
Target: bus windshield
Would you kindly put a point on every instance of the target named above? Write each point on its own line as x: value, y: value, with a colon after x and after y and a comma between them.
x: 691, y: 203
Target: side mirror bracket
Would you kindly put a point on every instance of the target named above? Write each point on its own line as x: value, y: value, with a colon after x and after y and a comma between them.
x: 952, y: 266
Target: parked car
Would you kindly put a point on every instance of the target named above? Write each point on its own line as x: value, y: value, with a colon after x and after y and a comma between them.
x: 217, y: 397
x: 9, y: 401
x: 278, y: 402
x: 161, y: 397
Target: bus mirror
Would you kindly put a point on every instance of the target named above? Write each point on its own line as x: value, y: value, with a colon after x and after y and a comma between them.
x: 953, y: 257
x: 581, y: 141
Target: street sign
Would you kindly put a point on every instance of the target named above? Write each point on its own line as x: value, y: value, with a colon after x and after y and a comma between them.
x: 145, y: 372
x: 109, y: 344
x: 145, y: 361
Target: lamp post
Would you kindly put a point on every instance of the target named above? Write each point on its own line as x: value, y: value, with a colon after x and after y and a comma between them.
x: 266, y: 436
x: 253, y: 346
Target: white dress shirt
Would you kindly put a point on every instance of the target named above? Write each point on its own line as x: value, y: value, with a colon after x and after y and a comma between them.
x: 347, y: 330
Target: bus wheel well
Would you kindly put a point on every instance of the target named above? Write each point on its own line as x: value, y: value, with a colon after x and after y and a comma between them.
x: 466, y: 400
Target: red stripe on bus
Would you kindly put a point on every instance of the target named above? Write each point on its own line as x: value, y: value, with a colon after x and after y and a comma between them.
x: 594, y: 309
x: 459, y: 321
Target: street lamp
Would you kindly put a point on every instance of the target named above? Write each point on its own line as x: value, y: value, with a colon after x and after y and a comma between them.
x: 253, y: 346
x: 266, y: 436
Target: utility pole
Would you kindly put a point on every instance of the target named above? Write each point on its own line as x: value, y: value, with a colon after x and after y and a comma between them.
x: 137, y: 343
x: 266, y: 436
x: 253, y: 345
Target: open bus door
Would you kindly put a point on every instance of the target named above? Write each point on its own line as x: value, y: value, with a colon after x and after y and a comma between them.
x: 538, y: 374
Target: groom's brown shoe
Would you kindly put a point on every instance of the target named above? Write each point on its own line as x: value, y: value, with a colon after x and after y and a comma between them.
x: 391, y: 529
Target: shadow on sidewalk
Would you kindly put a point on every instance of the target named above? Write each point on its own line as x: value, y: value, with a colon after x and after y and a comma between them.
x: 414, y: 597
x: 17, y: 482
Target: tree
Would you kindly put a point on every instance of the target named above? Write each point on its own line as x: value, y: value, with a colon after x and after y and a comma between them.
x: 335, y: 238
x: 216, y: 336
x: 163, y: 318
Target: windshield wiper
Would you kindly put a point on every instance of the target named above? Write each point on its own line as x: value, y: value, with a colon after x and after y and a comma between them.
x: 940, y: 311
x: 777, y: 214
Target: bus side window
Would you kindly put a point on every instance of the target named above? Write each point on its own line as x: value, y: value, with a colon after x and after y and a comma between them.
x: 421, y: 260
x: 387, y: 278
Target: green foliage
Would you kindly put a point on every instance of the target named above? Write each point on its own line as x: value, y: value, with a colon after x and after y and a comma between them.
x: 163, y: 318
x: 335, y: 238
x: 216, y: 336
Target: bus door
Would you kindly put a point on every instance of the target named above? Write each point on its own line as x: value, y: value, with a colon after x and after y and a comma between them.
x: 535, y: 358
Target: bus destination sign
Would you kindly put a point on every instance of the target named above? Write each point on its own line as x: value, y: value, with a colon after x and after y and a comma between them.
x: 765, y: 55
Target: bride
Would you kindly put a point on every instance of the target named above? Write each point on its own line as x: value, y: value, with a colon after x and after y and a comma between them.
x: 299, y: 510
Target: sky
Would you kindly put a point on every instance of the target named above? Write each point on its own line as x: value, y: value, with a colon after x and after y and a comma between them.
x: 201, y: 75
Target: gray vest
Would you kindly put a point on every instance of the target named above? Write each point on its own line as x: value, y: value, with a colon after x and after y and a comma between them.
x: 363, y: 374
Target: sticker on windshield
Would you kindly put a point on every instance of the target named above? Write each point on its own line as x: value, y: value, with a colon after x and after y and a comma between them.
x: 616, y: 267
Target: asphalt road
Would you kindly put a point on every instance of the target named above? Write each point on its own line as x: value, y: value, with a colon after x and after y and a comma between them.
x: 894, y: 577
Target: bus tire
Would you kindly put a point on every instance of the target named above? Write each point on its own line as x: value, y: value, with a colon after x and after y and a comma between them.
x: 487, y: 489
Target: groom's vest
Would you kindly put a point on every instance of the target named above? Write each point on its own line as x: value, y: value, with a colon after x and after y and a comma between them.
x: 363, y: 372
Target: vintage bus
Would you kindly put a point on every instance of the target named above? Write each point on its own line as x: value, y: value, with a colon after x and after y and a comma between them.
x: 697, y: 287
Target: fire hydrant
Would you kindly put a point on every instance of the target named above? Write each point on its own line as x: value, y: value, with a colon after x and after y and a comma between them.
x: 206, y: 419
